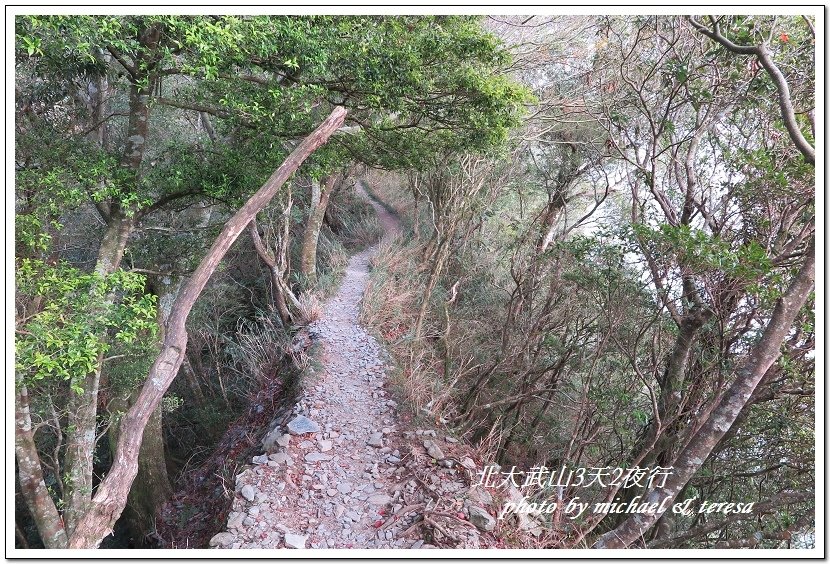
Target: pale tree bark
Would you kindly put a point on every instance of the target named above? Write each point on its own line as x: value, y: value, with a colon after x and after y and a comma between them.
x: 111, y: 496
x: 724, y: 415
x: 276, y: 269
x: 32, y: 486
x: 320, y: 195
x: 764, y: 55
x: 83, y: 407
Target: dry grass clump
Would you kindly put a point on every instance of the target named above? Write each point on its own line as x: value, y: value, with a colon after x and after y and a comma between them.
x: 257, y: 350
x: 361, y: 233
x: 389, y: 307
x: 310, y: 309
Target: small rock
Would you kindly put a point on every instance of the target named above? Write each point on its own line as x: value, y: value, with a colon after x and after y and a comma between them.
x: 295, y: 541
x: 446, y: 463
x: 481, y: 519
x: 317, y: 457
x: 376, y: 440
x: 261, y: 459
x: 331, y: 492
x: 248, y: 492
x: 433, y: 450
x: 451, y: 439
x: 269, y: 443
x: 301, y: 425
x: 221, y: 539
x: 282, y: 458
x: 480, y: 495
x: 326, y: 446
x: 344, y: 487
x: 417, y: 544
x: 235, y: 520
x: 378, y: 499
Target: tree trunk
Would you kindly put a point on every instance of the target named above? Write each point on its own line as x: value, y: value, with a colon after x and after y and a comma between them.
x: 416, y: 196
x: 151, y: 487
x: 276, y: 268
x: 111, y: 495
x: 320, y: 194
x: 30, y: 474
x: 721, y: 419
x: 83, y: 407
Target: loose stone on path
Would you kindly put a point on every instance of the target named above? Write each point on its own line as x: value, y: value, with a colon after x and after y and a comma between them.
x: 326, y: 487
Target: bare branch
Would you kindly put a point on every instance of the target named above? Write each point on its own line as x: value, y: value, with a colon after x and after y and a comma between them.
x: 764, y: 55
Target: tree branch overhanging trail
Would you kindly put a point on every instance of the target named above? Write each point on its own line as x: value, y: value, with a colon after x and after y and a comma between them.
x: 111, y: 495
x: 764, y: 54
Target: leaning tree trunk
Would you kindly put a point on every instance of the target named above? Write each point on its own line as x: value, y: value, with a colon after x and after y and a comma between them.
x: 111, y: 496
x: 747, y: 377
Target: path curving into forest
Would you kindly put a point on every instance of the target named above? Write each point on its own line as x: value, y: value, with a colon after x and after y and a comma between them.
x: 334, y: 476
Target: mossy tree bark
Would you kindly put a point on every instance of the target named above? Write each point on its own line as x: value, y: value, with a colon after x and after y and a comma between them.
x: 320, y: 195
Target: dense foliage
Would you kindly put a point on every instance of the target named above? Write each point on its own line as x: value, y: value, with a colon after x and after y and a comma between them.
x: 609, y: 263
x: 609, y: 300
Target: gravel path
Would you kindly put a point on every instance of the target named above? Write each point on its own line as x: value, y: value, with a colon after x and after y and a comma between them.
x: 334, y: 477
x: 341, y: 472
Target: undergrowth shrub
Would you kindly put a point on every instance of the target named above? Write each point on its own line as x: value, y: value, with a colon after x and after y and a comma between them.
x: 332, y: 258
x: 257, y: 349
x: 389, y: 308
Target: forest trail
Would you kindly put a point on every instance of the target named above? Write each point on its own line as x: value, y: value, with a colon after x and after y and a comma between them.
x: 335, y: 472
